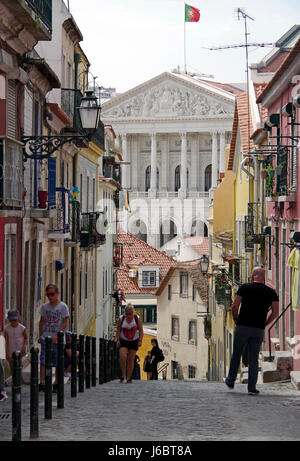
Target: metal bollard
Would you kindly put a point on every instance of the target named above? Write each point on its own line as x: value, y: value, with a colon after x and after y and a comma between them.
x: 60, y: 369
x: 34, y: 393
x: 48, y: 377
x: 94, y: 358
x: 111, y: 360
x: 116, y: 361
x: 87, y: 362
x: 81, y: 363
x: 108, y: 361
x: 16, y: 398
x: 101, y: 360
x: 74, y: 366
x: 105, y: 361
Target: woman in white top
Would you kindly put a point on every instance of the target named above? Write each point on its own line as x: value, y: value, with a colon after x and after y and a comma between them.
x: 129, y: 339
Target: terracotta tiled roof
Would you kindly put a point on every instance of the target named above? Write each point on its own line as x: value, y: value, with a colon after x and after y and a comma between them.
x: 193, y: 269
x: 292, y: 55
x: 199, y: 244
x: 225, y: 86
x: 263, y: 112
x: 233, y: 138
x: 274, y: 64
x: 138, y: 253
x: 241, y: 120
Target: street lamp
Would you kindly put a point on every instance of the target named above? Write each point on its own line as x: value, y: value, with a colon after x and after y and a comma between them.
x: 204, y: 264
x: 42, y: 147
x: 89, y: 111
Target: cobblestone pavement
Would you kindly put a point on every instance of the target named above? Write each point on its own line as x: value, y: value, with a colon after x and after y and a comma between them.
x: 164, y: 411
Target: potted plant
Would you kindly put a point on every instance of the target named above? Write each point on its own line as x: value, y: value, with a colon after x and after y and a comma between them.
x: 270, y: 171
x: 264, y: 173
x: 42, y: 198
x: 279, y: 169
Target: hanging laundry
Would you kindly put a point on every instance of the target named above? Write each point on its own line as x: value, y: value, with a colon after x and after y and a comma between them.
x: 293, y: 262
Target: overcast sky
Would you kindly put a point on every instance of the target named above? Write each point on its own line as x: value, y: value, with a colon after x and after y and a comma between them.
x: 130, y: 41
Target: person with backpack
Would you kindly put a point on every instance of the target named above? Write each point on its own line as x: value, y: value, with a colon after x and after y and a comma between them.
x: 156, y: 357
x: 129, y: 337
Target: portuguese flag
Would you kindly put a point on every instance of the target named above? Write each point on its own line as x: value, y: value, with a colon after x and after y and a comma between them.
x: 192, y: 14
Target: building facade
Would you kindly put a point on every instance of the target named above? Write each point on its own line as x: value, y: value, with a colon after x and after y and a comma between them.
x: 173, y: 130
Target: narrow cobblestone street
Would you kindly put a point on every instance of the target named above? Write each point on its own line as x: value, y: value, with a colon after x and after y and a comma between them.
x: 165, y: 411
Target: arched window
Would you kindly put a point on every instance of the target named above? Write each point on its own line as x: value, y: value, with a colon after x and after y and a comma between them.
x: 199, y: 229
x: 148, y: 178
x: 139, y: 229
x: 168, y: 231
x: 178, y: 180
x: 207, y: 178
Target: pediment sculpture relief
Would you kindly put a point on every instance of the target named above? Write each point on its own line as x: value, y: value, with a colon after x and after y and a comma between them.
x: 168, y: 101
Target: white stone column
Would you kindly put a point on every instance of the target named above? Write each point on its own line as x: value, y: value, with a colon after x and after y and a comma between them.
x: 214, y: 160
x: 194, y: 162
x: 164, y: 173
x: 135, y: 170
x: 222, y: 154
x: 183, y: 168
x: 125, y: 168
x: 152, y: 191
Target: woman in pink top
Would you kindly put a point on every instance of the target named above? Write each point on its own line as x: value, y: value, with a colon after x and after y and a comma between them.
x: 15, y: 336
x: 129, y: 339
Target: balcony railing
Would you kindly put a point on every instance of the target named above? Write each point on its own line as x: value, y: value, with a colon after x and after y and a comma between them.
x: 60, y: 224
x: 89, y: 236
x: 111, y: 169
x: 98, y: 136
x: 282, y: 173
x: 70, y: 100
x: 254, y: 232
x: 43, y: 8
x: 11, y: 174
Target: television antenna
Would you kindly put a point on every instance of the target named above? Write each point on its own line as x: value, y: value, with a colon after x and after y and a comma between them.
x: 242, y: 15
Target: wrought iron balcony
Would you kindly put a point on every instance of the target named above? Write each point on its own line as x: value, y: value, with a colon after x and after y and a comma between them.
x: 89, y: 236
x: 111, y: 169
x: 98, y: 136
x: 70, y: 100
x: 43, y: 10
x: 254, y: 233
x: 282, y: 173
x: 11, y: 185
x: 60, y: 225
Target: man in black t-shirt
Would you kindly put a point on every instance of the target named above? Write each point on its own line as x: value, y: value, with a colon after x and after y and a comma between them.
x: 255, y: 299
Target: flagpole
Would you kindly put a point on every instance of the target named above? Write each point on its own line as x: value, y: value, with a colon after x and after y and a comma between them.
x: 184, y: 42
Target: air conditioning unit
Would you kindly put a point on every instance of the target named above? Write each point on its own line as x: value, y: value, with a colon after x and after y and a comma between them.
x: 132, y: 273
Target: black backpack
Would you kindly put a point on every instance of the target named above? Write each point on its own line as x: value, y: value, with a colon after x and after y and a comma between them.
x: 160, y: 357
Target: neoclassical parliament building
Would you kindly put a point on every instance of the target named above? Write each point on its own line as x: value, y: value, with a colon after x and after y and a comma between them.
x: 172, y: 131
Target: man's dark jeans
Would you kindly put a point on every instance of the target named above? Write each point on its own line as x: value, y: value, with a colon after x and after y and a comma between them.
x: 243, y: 336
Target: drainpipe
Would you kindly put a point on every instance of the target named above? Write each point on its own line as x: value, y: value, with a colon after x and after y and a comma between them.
x: 245, y: 169
x: 74, y: 236
x: 256, y: 179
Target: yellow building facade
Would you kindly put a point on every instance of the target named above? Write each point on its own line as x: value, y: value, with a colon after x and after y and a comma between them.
x: 232, y: 254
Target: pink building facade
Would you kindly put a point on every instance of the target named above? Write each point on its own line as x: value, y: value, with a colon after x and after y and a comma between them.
x: 281, y: 98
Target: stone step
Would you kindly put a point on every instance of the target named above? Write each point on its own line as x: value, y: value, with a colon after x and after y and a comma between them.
x: 269, y: 372
x: 264, y: 356
x: 283, y: 361
x: 295, y: 379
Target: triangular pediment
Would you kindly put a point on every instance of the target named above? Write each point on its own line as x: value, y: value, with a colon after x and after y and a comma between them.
x: 170, y: 95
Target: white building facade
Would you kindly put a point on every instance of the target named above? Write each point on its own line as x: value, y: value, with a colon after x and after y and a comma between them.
x: 172, y: 131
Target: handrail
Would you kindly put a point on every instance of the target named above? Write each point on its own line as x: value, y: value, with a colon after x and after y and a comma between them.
x: 163, y: 367
x: 275, y: 321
